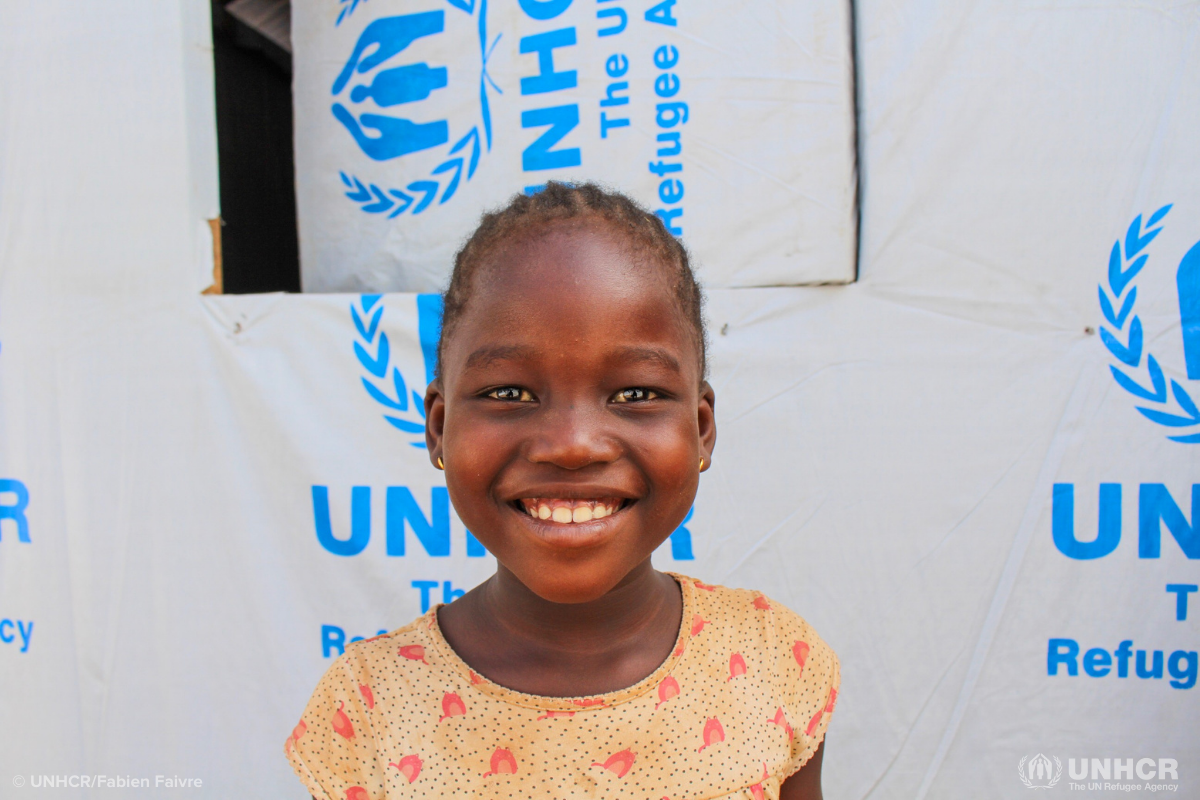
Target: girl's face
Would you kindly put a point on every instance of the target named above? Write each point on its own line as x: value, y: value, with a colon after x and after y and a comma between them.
x: 571, y: 415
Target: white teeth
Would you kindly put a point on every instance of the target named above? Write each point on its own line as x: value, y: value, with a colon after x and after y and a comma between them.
x: 564, y: 510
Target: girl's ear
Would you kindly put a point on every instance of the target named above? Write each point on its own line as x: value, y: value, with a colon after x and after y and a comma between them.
x: 435, y: 420
x: 707, y: 419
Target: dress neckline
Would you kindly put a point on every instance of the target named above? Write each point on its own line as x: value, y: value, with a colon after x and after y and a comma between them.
x: 571, y: 704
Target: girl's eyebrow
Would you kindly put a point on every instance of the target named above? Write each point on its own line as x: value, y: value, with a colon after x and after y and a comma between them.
x: 490, y: 354
x: 653, y: 355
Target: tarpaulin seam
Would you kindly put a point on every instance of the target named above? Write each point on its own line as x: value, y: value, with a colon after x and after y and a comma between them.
x: 1063, y: 434
x: 763, y: 540
x: 971, y: 512
x: 916, y: 722
x: 803, y: 380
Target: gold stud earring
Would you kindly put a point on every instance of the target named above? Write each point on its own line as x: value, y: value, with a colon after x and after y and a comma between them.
x: 702, y: 463
x: 440, y: 464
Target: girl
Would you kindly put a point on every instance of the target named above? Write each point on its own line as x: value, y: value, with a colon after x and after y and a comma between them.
x: 573, y: 419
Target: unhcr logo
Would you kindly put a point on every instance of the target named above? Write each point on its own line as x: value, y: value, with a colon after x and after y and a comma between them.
x: 1038, y: 773
x: 409, y: 83
x: 380, y: 98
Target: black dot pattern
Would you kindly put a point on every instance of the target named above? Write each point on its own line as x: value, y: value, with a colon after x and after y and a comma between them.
x: 741, y: 704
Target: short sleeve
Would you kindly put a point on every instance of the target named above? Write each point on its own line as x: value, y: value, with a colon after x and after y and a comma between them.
x: 333, y: 748
x: 809, y: 677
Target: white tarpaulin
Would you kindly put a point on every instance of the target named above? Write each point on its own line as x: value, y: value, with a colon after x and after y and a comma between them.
x: 974, y: 471
x: 732, y: 121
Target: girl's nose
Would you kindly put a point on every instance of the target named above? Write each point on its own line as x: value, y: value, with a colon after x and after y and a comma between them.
x: 573, y: 437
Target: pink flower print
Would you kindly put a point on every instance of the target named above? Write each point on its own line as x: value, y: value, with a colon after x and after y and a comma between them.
x: 357, y: 793
x: 678, y: 651
x: 698, y: 624
x: 668, y: 689
x: 761, y: 603
x: 553, y: 714
x: 757, y: 791
x: 503, y: 763
x: 619, y: 763
x: 827, y: 709
x: 368, y: 696
x: 341, y: 723
x: 713, y: 733
x: 588, y: 702
x: 452, y: 706
x: 800, y: 651
x: 706, y: 587
x: 782, y: 722
x: 737, y: 666
x: 409, y: 766
x: 475, y: 679
x: 294, y: 739
x: 413, y: 652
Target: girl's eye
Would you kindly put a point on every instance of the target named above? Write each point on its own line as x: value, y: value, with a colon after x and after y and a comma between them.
x: 512, y: 393
x: 634, y: 395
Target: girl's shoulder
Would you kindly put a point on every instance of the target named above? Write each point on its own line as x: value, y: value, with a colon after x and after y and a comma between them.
x: 753, y: 628
x: 414, y: 639
x: 400, y: 673
x: 745, y: 615
x: 742, y: 632
x: 405, y: 658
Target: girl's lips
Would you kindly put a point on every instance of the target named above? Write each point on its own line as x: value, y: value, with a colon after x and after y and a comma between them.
x: 570, y: 511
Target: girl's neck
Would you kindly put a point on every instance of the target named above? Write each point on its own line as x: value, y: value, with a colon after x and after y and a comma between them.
x: 517, y: 639
x: 622, y: 613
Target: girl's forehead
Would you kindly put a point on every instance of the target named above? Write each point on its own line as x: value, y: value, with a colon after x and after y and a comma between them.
x: 560, y: 264
x: 574, y: 296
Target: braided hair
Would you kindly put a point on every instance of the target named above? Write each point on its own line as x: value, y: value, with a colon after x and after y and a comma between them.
x: 580, y: 202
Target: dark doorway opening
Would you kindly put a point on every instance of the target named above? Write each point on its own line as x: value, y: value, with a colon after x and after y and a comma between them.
x: 253, y: 64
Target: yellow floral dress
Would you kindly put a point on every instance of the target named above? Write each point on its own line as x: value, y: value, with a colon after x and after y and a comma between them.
x: 741, y: 704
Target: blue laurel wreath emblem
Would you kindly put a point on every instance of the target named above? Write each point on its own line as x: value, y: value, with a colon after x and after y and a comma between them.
x: 375, y: 355
x: 1124, y: 264
x: 448, y: 175
x: 348, y: 7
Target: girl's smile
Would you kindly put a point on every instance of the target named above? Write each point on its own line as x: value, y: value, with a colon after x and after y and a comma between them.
x: 565, y: 523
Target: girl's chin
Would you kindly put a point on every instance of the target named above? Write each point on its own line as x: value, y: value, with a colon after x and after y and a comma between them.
x: 585, y: 584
